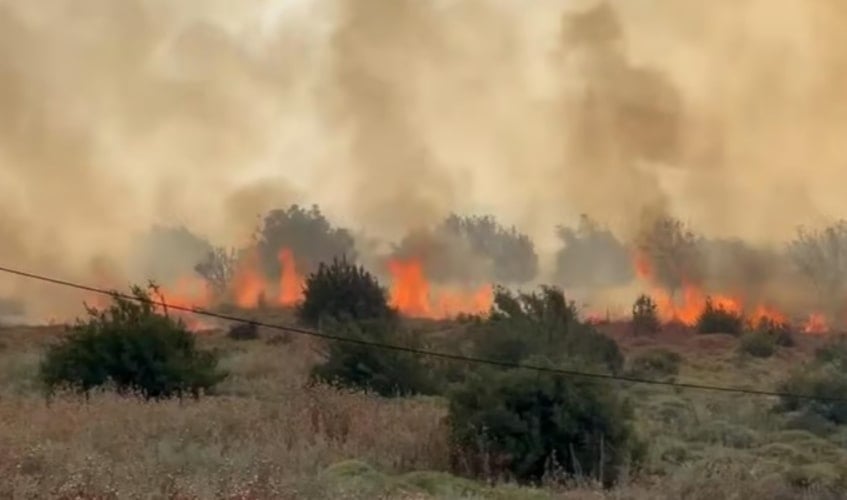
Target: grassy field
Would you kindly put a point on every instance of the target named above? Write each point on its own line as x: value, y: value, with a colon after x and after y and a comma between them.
x: 268, y: 433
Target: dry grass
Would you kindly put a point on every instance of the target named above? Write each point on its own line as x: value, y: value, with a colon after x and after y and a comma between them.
x: 268, y: 434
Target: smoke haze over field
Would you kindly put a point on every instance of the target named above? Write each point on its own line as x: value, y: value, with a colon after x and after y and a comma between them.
x: 391, y: 114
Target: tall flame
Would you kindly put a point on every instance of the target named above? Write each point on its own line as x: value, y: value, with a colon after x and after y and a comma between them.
x: 816, y: 323
x: 412, y: 294
x: 290, y: 282
x: 248, y: 283
x: 410, y: 289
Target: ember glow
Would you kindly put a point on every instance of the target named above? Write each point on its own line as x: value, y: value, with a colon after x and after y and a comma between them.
x: 687, y: 305
x: 412, y: 294
x: 816, y: 324
x: 770, y: 314
x: 290, y: 282
x: 248, y: 283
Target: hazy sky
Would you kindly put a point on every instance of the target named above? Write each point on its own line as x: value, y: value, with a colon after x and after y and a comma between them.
x: 392, y: 113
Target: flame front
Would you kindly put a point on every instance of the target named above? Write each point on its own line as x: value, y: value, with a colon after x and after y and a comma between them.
x: 290, y: 282
x: 687, y: 307
x: 248, y: 283
x: 412, y: 294
x: 816, y: 324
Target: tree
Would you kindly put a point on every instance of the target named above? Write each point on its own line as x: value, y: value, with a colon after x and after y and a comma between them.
x: 164, y: 252
x: 217, y: 268
x: 307, y: 233
x: 541, y: 323
x: 591, y: 257
x: 821, y: 256
x: 511, y: 252
x: 131, y: 345
x: 342, y: 291
x: 645, y: 317
x: 387, y: 372
x: 671, y: 251
x: 526, y: 424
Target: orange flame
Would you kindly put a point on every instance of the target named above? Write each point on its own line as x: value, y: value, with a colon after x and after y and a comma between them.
x: 687, y: 308
x: 410, y: 294
x: 290, y: 282
x: 816, y: 324
x: 248, y: 283
x: 190, y: 293
x: 769, y: 313
x: 409, y: 290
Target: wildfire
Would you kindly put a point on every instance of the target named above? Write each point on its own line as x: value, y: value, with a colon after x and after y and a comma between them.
x: 290, y: 282
x: 687, y: 306
x: 769, y: 313
x: 816, y: 324
x: 412, y: 295
x: 191, y: 293
x: 248, y: 283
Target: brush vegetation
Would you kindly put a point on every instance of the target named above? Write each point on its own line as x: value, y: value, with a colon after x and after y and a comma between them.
x: 133, y: 347
x: 301, y: 418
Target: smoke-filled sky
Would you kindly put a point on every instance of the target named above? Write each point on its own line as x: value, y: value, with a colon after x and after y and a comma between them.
x: 391, y: 114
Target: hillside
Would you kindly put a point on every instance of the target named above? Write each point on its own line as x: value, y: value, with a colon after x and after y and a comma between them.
x: 268, y: 433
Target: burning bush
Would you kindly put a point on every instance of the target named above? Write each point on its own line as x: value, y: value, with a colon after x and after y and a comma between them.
x: 341, y: 290
x: 470, y: 249
x: 386, y: 372
x: 668, y: 253
x: 218, y: 268
x: 541, y: 323
x: 645, y: 316
x: 765, y: 337
x: 716, y: 318
x: 131, y: 345
x: 780, y: 332
x: 822, y: 378
x: 526, y: 424
x: 306, y: 233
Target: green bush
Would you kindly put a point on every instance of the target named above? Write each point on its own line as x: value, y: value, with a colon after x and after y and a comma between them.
x: 655, y: 363
x: 342, y: 291
x: 131, y: 345
x: 823, y: 378
x: 384, y: 371
x: 717, y: 319
x: 757, y: 344
x: 765, y: 336
x: 541, y: 323
x: 645, y: 316
x: 833, y: 352
x: 525, y: 424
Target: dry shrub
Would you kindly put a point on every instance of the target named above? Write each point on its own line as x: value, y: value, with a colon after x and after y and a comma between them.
x: 209, y: 448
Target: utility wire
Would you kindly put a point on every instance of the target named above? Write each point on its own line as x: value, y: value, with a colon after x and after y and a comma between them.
x: 420, y: 352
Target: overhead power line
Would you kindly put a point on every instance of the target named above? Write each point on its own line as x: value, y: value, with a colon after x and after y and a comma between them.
x: 419, y: 352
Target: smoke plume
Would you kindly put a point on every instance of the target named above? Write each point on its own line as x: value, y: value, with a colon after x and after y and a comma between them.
x: 392, y: 114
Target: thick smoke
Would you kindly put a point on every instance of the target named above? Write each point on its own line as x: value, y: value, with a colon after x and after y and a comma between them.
x: 378, y: 52
x: 391, y: 114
